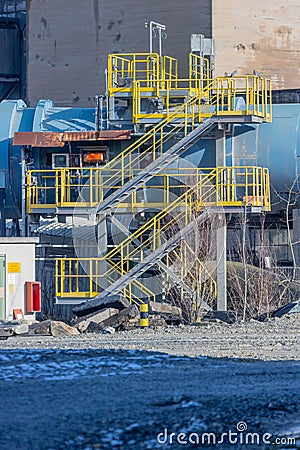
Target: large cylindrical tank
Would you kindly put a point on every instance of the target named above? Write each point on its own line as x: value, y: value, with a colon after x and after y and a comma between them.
x: 14, y: 116
x: 274, y: 145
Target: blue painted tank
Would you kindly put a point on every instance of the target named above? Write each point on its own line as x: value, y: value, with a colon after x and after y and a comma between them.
x: 274, y: 145
x: 16, y: 116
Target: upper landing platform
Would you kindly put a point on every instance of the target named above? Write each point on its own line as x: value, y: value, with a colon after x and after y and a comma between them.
x: 151, y: 86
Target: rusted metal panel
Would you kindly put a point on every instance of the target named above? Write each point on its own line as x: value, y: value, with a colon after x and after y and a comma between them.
x: 54, y: 139
x: 36, y: 139
x: 107, y: 135
x: 258, y: 35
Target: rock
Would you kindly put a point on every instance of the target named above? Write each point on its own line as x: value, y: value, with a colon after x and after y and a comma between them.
x: 98, y: 317
x: 109, y: 330
x: 156, y: 321
x: 221, y: 316
x: 40, y: 328
x: 94, y: 328
x: 5, y: 333
x: 97, y: 304
x: 62, y: 329
x: 164, y: 308
x: 21, y: 329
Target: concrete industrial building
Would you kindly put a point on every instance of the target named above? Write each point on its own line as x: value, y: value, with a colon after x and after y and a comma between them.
x: 61, y: 159
x: 68, y: 44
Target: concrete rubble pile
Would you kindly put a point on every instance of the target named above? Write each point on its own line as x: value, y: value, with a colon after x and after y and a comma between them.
x: 105, y: 315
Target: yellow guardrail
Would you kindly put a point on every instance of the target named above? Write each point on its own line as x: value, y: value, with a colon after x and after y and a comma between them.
x: 88, y: 187
x: 125, y: 69
x: 224, y: 92
x: 199, y: 68
x: 82, y: 278
x: 219, y: 186
x: 183, y: 119
x: 220, y: 96
x: 155, y: 77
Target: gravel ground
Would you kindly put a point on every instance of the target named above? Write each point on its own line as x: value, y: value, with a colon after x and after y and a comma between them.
x: 275, y: 340
x: 103, y: 392
x: 122, y: 400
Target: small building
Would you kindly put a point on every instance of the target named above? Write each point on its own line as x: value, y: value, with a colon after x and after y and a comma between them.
x: 19, y: 292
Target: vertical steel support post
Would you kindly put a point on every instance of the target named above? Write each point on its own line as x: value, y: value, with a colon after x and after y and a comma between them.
x: 296, y: 237
x: 23, y: 165
x: 2, y: 213
x: 221, y: 231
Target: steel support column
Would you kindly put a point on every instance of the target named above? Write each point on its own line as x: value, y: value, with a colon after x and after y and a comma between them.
x: 222, y: 229
x: 296, y: 236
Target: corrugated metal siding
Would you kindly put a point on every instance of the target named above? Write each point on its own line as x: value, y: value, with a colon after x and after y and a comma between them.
x: 68, y: 42
x: 12, y: 55
x: 10, y: 51
x: 262, y: 35
x: 10, y: 60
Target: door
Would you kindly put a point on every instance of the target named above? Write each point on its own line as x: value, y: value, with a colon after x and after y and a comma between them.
x: 2, y: 287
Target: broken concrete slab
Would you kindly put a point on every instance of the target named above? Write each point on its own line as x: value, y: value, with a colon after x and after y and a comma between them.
x: 94, y: 328
x: 228, y: 317
x: 164, y: 308
x: 62, y: 329
x: 97, y: 304
x: 291, y: 308
x: 98, y: 317
x: 122, y: 317
x: 52, y: 328
x: 156, y: 321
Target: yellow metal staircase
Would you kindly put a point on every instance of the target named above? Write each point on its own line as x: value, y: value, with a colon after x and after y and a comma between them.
x: 188, y: 109
x: 141, y: 250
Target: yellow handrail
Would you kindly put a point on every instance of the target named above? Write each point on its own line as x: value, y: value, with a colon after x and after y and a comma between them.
x: 174, y: 217
x: 87, y: 187
x: 152, y: 76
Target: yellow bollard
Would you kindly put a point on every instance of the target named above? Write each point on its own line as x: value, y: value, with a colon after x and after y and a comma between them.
x: 144, y: 314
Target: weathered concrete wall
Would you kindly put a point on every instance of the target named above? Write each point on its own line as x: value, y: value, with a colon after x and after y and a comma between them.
x: 68, y: 41
x: 262, y: 35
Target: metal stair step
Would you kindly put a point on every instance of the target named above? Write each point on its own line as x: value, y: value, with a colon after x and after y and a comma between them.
x: 155, y: 167
x: 152, y: 258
